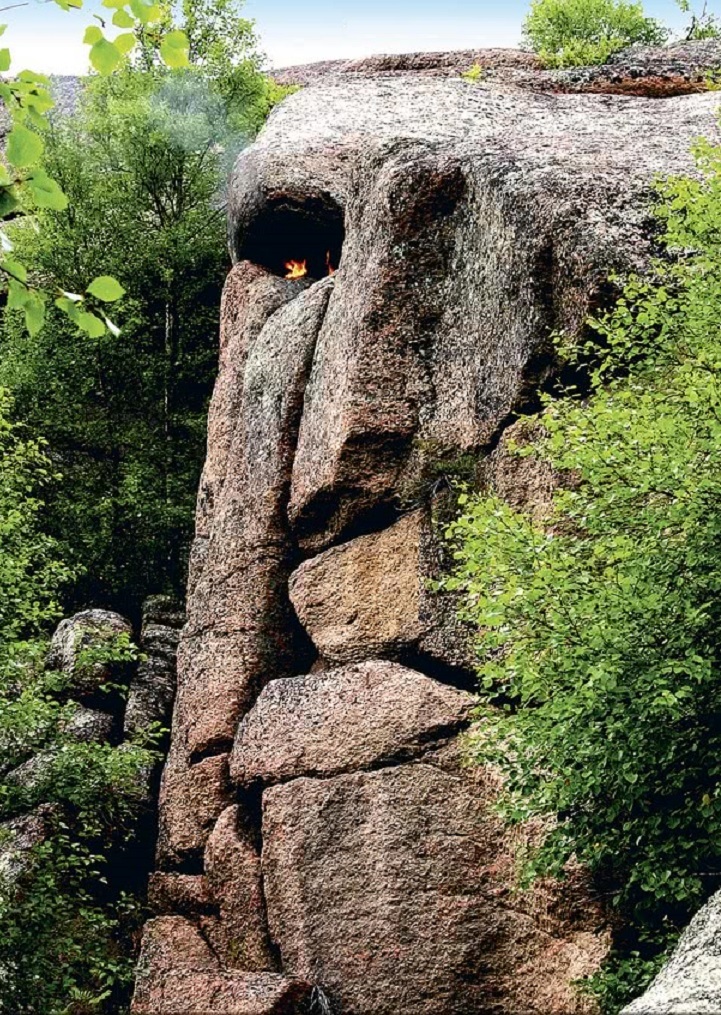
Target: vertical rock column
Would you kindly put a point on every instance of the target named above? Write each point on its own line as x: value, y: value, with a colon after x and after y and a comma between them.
x: 241, y: 633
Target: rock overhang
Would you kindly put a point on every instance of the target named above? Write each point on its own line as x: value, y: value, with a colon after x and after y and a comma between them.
x: 475, y: 221
x: 318, y: 136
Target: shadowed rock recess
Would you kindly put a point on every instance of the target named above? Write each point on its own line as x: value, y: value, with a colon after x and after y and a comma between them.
x: 321, y: 848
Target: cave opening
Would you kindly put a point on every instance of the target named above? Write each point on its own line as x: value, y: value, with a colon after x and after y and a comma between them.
x: 285, y: 235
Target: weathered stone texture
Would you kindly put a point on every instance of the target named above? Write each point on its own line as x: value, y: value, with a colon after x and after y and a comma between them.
x: 241, y: 631
x: 690, y: 982
x: 179, y: 894
x: 382, y: 887
x: 19, y: 836
x: 344, y: 720
x: 362, y: 599
x: 192, y: 798
x: 479, y: 219
x: 152, y: 687
x: 178, y: 974
x: 232, y: 866
x: 371, y: 597
x: 89, y: 725
x: 86, y: 631
x: 525, y: 482
x: 477, y: 222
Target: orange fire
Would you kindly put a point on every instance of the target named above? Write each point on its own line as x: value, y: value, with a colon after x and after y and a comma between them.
x: 299, y: 269
x: 296, y: 269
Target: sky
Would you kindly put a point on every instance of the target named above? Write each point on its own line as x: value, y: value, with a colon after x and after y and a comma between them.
x: 44, y: 38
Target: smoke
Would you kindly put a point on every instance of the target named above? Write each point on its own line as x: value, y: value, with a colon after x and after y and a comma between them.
x: 189, y: 111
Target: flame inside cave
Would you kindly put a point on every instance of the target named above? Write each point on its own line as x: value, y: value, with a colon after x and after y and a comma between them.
x: 299, y: 269
x: 296, y: 269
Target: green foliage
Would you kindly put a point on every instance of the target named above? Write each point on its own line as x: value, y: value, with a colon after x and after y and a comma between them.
x: 67, y: 932
x: 599, y: 652
x: 64, y: 948
x: 704, y: 24
x: 578, y: 33
x: 142, y: 162
x: 30, y: 572
x: 26, y: 187
x: 626, y: 973
x: 474, y: 74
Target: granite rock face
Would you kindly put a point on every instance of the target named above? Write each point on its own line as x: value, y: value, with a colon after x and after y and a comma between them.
x: 382, y: 886
x: 232, y: 865
x: 338, y: 851
x: 152, y: 689
x: 436, y: 327
x: 371, y: 597
x: 690, y: 982
x: 342, y: 720
x: 178, y: 973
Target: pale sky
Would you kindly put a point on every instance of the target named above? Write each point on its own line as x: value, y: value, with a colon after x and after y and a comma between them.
x: 44, y: 38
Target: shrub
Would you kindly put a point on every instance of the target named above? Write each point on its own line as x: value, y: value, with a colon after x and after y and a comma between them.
x: 704, y: 24
x: 600, y: 626
x: 577, y: 33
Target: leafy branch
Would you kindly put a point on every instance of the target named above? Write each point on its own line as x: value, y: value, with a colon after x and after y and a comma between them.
x: 26, y: 187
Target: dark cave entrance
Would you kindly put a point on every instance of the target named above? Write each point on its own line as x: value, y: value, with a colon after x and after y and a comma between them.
x: 287, y: 232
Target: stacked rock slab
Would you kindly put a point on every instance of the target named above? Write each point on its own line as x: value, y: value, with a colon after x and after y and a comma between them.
x: 321, y: 848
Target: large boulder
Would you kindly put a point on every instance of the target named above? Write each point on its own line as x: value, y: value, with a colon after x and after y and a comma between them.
x: 690, y: 982
x: 19, y: 837
x: 478, y: 221
x: 170, y: 893
x: 468, y: 223
x: 232, y: 866
x: 371, y: 597
x: 241, y: 629
x: 343, y: 720
x: 192, y: 798
x: 76, y: 651
x: 152, y: 688
x: 179, y: 974
x: 385, y: 887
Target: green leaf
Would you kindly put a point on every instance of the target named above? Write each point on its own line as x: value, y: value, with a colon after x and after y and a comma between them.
x: 91, y: 324
x: 92, y: 35
x: 8, y: 201
x: 34, y: 313
x: 5, y: 60
x: 106, y: 288
x: 121, y: 19
x: 105, y: 57
x: 125, y: 42
x: 17, y: 295
x: 31, y: 77
x: 46, y: 192
x: 15, y: 269
x: 174, y: 49
x: 142, y: 11
x: 24, y: 147
x: 69, y: 307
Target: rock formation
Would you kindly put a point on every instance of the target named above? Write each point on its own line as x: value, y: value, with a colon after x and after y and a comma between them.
x: 88, y: 681
x: 321, y: 847
x: 690, y: 982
